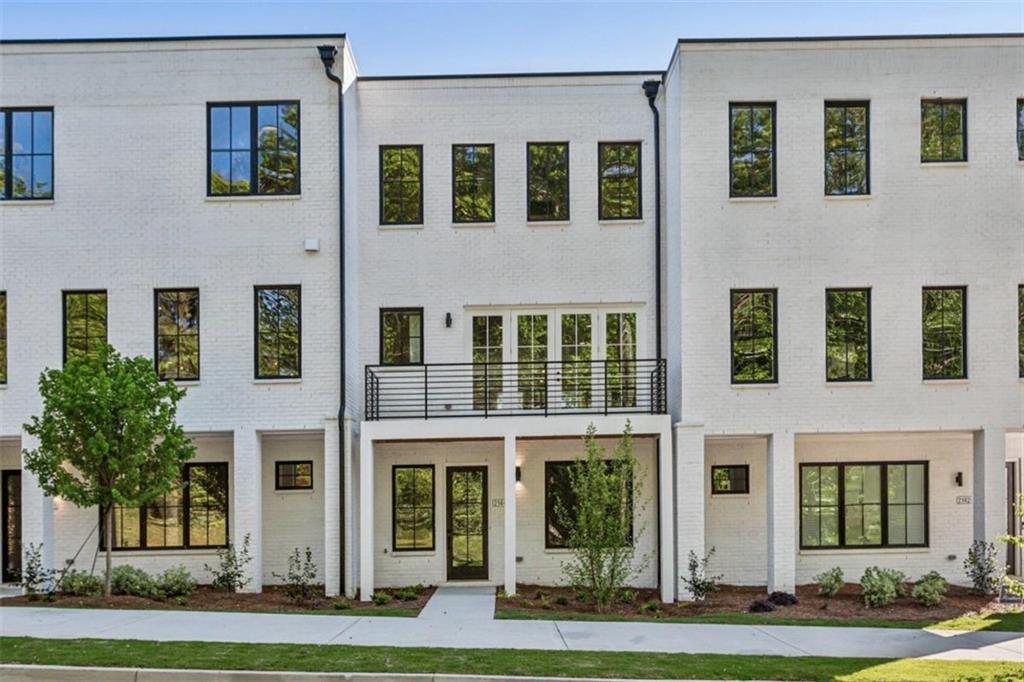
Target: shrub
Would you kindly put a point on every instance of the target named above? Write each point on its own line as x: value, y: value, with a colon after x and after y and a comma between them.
x: 229, y: 573
x: 81, y: 584
x: 420, y: 588
x: 651, y: 606
x: 541, y: 594
x: 830, y: 582
x: 628, y: 596
x: 761, y: 606
x: 34, y: 578
x: 782, y: 598
x: 128, y: 580
x: 562, y: 600
x: 300, y: 580
x: 406, y: 594
x: 342, y: 605
x: 176, y: 581
x: 545, y: 602
x: 930, y: 589
x: 981, y: 567
x: 881, y: 586
x: 380, y: 598
x: 699, y: 583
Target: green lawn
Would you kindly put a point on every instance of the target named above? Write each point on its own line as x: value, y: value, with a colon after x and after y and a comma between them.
x: 323, y: 658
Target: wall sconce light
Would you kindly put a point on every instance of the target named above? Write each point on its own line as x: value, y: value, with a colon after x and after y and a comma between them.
x: 959, y: 478
x: 448, y: 320
x: 519, y: 474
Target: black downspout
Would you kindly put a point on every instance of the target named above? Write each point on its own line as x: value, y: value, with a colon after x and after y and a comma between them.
x: 327, y: 56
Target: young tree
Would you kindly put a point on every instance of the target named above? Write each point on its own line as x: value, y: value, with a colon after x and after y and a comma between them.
x: 1014, y: 542
x: 108, y: 435
x: 598, y: 518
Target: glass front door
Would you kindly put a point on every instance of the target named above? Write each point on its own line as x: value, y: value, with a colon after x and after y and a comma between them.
x: 12, y: 526
x: 467, y: 523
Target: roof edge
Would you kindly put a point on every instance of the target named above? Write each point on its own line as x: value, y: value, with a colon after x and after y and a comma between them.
x: 168, y: 39
x: 527, y: 74
x: 823, y: 39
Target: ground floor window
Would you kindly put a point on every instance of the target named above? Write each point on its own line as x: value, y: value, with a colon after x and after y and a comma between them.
x: 412, y: 498
x: 293, y: 475
x: 864, y: 504
x: 730, y: 480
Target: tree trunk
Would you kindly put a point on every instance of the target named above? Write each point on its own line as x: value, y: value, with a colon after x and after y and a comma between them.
x: 108, y: 515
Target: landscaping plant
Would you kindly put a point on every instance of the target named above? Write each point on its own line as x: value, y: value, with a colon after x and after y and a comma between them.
x: 107, y: 435
x: 698, y: 581
x: 175, y: 582
x: 406, y: 594
x: 300, y: 581
x: 761, y: 606
x: 229, y: 573
x: 830, y: 582
x: 930, y: 589
x: 982, y: 568
x: 882, y: 586
x: 782, y: 598
x: 1014, y: 585
x: 132, y: 581
x: 81, y: 584
x: 34, y: 578
x: 380, y: 598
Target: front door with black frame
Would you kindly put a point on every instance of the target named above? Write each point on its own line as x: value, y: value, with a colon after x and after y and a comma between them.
x: 467, y: 523
x: 1012, y: 516
x: 11, y: 542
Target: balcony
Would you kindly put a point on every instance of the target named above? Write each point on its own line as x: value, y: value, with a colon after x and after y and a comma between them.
x: 498, y: 389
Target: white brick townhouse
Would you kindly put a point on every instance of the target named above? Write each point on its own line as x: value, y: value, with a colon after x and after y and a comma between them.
x: 416, y: 293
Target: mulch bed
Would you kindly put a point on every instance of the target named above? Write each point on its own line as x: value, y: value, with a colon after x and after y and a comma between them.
x: 206, y: 598
x: 734, y: 599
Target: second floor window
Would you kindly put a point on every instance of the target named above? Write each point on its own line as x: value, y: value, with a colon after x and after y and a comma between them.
x: 3, y: 337
x: 944, y: 332
x: 253, y: 148
x: 488, y: 349
x: 473, y: 183
x: 754, y: 350
x: 401, y: 336
x: 278, y: 332
x: 752, y: 149
x: 85, y: 323
x: 846, y: 148
x: 177, y: 333
x: 401, y: 185
x: 619, y: 175
x: 547, y: 181
x: 943, y: 130
x: 848, y: 334
x: 26, y: 154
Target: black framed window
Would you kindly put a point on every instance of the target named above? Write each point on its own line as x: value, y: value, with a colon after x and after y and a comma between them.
x: 1020, y: 129
x: 193, y: 515
x: 401, y: 336
x: 754, y: 326
x: 473, y: 183
x: 619, y: 177
x: 296, y: 475
x: 401, y: 184
x: 752, y: 149
x: 559, y: 495
x: 1020, y: 331
x: 3, y: 337
x: 944, y: 332
x: 547, y: 181
x: 848, y: 334
x: 26, y: 153
x: 278, y: 332
x: 733, y: 479
x: 85, y: 322
x: 864, y: 504
x: 253, y: 148
x: 176, y: 315
x: 847, y: 148
x: 488, y: 353
x: 412, y: 508
x: 943, y: 130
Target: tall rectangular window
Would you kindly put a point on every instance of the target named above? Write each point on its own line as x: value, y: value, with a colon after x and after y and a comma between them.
x: 577, y: 354
x: 619, y: 178
x: 532, y: 356
x: 278, y: 332
x: 177, y: 333
x: 848, y: 334
x: 412, y: 511
x: 943, y: 130
x: 85, y: 322
x: 401, y: 336
x: 754, y: 348
x: 473, y: 183
x: 847, y: 167
x: 944, y: 332
x: 3, y: 337
x: 1020, y: 331
x: 620, y: 351
x: 1020, y: 129
x: 488, y: 370
x: 26, y: 153
x: 253, y: 148
x: 752, y: 149
x: 547, y: 181
x: 401, y: 184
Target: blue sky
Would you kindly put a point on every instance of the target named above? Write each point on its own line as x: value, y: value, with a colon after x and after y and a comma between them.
x: 445, y: 37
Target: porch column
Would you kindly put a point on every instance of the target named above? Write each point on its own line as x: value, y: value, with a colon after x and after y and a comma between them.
x: 690, y: 484
x: 366, y: 550
x: 36, y: 512
x: 510, y: 514
x: 781, y: 512
x: 332, y: 508
x: 247, y: 496
x: 989, y: 483
x: 666, y: 523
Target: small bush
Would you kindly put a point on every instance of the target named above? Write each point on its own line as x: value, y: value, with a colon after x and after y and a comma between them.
x: 881, y: 586
x: 698, y: 581
x: 34, y: 578
x: 982, y: 568
x: 229, y: 573
x: 651, y: 606
x: 761, y: 606
x: 300, y: 580
x: 545, y: 601
x: 562, y: 600
x: 81, y: 584
x: 830, y: 582
x: 782, y: 598
x: 406, y: 594
x: 930, y: 589
x: 176, y: 581
x: 342, y: 605
x: 420, y: 588
x: 380, y: 598
x: 131, y: 581
x: 542, y: 593
x: 628, y: 596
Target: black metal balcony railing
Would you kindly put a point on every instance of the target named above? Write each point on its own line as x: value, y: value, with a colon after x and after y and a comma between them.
x: 491, y: 389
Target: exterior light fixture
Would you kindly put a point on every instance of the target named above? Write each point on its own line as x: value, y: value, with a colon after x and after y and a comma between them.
x: 959, y: 478
x: 448, y: 320
x: 519, y: 474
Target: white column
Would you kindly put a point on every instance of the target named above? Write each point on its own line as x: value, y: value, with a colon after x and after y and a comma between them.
x: 351, y: 517
x: 666, y: 507
x: 989, y: 483
x: 36, y: 512
x: 366, y: 550
x: 689, y: 478
x: 247, y: 487
x: 332, y: 508
x: 510, y: 514
x: 781, y: 512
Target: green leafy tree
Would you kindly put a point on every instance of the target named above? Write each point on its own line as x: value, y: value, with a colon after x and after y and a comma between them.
x: 108, y: 435
x: 1014, y: 542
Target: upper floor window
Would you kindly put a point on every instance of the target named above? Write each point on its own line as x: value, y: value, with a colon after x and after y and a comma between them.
x: 26, y: 145
x: 401, y: 184
x: 547, y: 181
x: 619, y: 175
x: 177, y: 333
x: 278, y: 332
x: 1020, y: 331
x: 752, y: 149
x: 1020, y: 129
x: 943, y: 130
x: 473, y: 183
x: 754, y: 350
x: 847, y: 168
x: 401, y: 336
x: 85, y: 322
x: 848, y: 334
x: 3, y: 338
x: 253, y: 148
x: 944, y: 332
